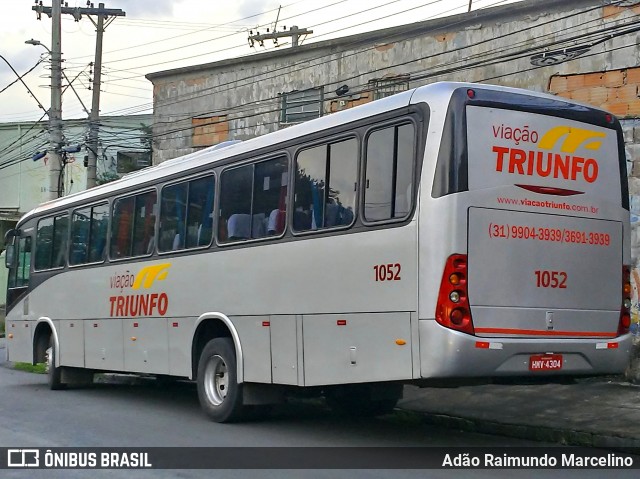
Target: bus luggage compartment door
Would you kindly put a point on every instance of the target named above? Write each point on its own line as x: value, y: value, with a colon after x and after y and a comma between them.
x: 543, y: 275
x: 356, y: 348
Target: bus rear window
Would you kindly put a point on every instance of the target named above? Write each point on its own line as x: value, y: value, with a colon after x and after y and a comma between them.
x: 507, y: 147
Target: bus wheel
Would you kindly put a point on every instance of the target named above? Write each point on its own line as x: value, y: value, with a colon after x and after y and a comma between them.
x: 218, y: 389
x: 54, y: 372
x: 360, y: 400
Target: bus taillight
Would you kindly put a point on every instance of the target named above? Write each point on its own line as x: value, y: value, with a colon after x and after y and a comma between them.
x: 452, y: 310
x: 625, y: 309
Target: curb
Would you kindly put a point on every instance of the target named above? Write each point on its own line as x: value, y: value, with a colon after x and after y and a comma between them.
x: 563, y: 436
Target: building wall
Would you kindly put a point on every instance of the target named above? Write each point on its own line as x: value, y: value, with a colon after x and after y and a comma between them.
x: 500, y: 41
x: 615, y: 90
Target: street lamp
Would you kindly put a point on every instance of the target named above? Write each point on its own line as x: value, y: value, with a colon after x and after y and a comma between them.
x: 37, y: 42
x: 69, y: 83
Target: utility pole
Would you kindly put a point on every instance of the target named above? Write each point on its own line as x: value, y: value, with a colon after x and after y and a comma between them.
x: 294, y: 32
x: 55, y: 112
x: 94, y: 118
x: 108, y: 14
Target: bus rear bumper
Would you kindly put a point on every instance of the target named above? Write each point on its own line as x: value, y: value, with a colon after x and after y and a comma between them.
x: 445, y: 353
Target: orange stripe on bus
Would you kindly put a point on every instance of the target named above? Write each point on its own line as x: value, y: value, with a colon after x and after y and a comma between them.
x: 535, y: 332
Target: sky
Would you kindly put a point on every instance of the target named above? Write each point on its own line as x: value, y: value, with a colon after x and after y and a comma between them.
x: 157, y: 35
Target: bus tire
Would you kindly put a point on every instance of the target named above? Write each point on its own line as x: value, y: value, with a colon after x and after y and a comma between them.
x: 54, y: 373
x: 219, y: 393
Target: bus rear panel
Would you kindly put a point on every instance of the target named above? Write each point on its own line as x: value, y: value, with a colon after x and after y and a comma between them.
x: 532, y: 274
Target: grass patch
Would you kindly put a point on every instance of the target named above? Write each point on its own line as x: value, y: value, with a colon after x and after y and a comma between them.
x: 40, y: 368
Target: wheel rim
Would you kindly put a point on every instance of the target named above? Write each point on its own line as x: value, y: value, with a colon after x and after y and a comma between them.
x: 49, y: 358
x: 216, y: 380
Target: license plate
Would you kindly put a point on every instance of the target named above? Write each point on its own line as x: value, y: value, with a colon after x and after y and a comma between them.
x: 545, y: 362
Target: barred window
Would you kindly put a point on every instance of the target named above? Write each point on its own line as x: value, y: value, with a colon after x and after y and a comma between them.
x: 384, y: 87
x: 302, y: 105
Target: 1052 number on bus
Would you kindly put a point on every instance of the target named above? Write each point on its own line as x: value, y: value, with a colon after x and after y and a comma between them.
x: 551, y: 279
x: 387, y: 272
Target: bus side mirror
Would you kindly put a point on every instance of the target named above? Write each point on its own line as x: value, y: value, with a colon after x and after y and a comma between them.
x: 9, y: 256
x: 10, y: 234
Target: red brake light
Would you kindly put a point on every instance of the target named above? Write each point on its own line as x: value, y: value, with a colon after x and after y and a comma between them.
x: 471, y: 94
x: 625, y: 308
x: 452, y: 310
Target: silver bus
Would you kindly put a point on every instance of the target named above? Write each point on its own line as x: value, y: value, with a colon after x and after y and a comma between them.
x: 451, y: 233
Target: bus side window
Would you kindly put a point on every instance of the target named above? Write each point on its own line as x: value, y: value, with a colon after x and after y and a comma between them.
x: 44, y: 244
x: 389, y: 173
x: 173, y: 205
x: 80, y: 235
x: 99, y: 224
x: 200, y: 212
x: 270, y: 197
x: 144, y: 222
x: 253, y: 200
x: 121, y: 228
x: 325, y: 189
x: 133, y: 225
x: 51, y: 242
x: 235, y: 200
x: 60, y: 241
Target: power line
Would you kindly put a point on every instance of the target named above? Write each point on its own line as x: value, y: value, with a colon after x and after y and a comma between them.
x: 305, y: 62
x: 314, y: 26
x: 200, y: 42
x: 4, y: 165
x: 432, y: 74
x: 338, y: 80
x: 22, y: 76
x: 309, y: 63
x: 191, y: 33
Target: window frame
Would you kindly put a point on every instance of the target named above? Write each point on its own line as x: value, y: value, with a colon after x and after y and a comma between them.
x: 108, y: 233
x: 343, y: 136
x: 252, y: 162
x: 284, y: 106
x: 381, y: 86
x: 130, y: 194
x: 415, y: 180
x: 187, y: 180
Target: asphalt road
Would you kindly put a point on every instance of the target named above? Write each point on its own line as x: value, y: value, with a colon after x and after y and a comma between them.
x: 135, y: 415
